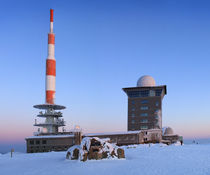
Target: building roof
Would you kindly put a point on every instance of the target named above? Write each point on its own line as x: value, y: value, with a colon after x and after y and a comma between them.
x: 49, y: 136
x: 145, y: 87
x: 116, y: 133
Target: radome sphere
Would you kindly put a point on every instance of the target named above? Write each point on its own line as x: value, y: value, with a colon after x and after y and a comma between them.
x: 145, y: 81
x: 168, y: 131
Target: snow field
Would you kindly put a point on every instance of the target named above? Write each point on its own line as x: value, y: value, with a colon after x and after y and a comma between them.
x: 156, y: 159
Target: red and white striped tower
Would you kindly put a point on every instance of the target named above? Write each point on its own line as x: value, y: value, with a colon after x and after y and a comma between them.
x: 50, y: 65
x: 52, y: 118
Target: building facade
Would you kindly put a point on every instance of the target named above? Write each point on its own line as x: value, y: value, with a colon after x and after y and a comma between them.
x: 145, y: 104
x: 47, y: 143
x: 61, y: 142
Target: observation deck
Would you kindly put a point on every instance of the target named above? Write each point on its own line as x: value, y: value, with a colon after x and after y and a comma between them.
x: 57, y: 122
x: 49, y: 106
x: 50, y: 114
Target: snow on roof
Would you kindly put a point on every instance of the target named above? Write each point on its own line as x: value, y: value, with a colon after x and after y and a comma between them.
x: 112, y: 133
x: 119, y: 133
x: 49, y: 136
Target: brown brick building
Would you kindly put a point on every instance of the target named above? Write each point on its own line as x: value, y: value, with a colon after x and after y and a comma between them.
x: 145, y: 104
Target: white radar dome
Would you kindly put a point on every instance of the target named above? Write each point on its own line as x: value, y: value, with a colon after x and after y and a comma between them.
x: 145, y: 80
x: 167, y: 131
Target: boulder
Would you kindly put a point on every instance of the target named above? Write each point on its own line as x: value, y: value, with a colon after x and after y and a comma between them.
x: 94, y: 148
x: 75, y: 155
x: 120, y: 153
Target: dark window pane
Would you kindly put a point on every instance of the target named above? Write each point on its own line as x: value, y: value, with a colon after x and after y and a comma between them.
x: 144, y: 101
x: 144, y: 93
x: 158, y: 92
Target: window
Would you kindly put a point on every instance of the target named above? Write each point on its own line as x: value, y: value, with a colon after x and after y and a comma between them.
x: 156, y: 111
x: 133, y: 121
x: 31, y: 142
x: 37, y: 142
x: 152, y: 93
x: 157, y: 103
x: 144, y: 107
x: 144, y: 127
x: 44, y: 141
x: 132, y: 102
x: 144, y: 121
x: 144, y: 114
x: 145, y: 139
x: 133, y: 94
x: 158, y: 92
x: 144, y: 93
x: 133, y: 109
x: 144, y: 101
x: 132, y: 115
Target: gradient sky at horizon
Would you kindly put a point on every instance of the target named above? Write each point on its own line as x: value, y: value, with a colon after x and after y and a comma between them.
x: 101, y: 47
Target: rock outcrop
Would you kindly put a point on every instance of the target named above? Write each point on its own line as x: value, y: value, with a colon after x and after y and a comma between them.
x: 95, y: 148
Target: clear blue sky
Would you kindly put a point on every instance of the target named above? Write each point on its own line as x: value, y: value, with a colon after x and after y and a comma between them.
x: 101, y: 47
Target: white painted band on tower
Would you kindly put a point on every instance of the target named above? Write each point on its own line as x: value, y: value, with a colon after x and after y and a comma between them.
x: 51, y: 27
x: 50, y: 83
x: 51, y: 51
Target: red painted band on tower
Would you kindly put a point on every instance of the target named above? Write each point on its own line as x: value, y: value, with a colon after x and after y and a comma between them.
x: 50, y: 96
x: 51, y: 15
x: 51, y: 38
x: 50, y: 67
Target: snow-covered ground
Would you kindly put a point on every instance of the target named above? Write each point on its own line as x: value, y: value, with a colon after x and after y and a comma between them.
x: 157, y: 159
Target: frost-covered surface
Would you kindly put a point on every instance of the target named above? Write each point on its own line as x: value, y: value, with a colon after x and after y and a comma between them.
x: 140, y: 159
x: 164, y: 129
x: 50, y: 136
x: 116, y: 133
x: 112, y: 133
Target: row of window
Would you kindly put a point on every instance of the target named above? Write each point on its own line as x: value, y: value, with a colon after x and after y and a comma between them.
x: 144, y: 115
x: 144, y: 127
x: 141, y: 121
x: 142, y: 108
x: 144, y: 93
x: 145, y: 102
x: 37, y: 142
x: 47, y: 149
x: 141, y: 127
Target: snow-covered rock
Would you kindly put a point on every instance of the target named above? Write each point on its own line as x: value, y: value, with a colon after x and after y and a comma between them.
x: 94, y: 148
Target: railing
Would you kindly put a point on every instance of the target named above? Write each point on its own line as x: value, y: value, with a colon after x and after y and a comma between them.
x: 50, y: 113
x: 56, y: 122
